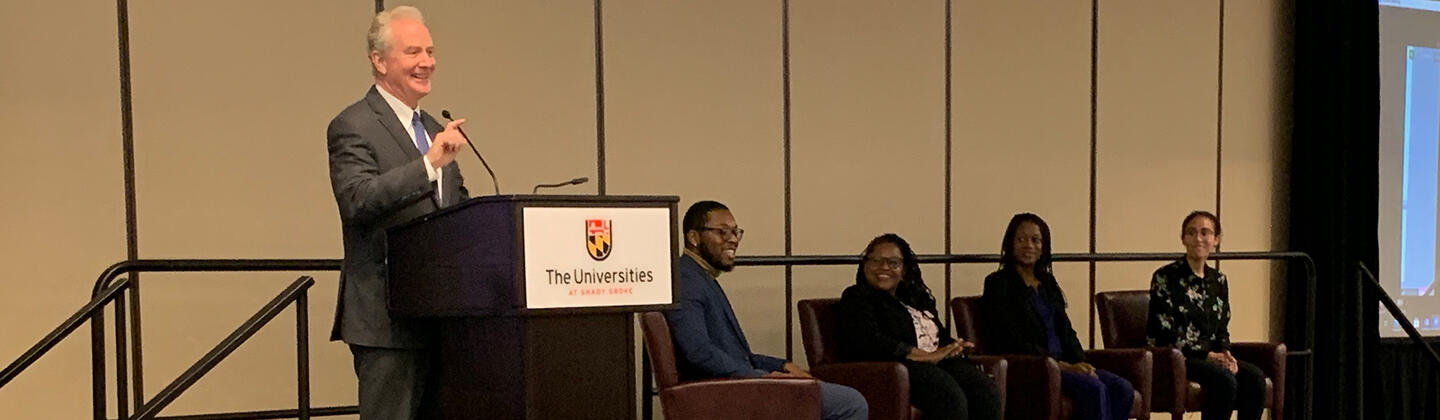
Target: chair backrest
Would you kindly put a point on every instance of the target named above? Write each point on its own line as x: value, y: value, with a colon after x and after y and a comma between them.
x: 965, y: 311
x: 662, y: 350
x: 1123, y: 315
x: 817, y: 331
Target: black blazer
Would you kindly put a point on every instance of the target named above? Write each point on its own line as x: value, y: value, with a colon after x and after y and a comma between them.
x: 874, y: 325
x: 1012, y: 325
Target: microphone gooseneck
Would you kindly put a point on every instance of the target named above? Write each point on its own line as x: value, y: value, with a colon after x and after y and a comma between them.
x: 493, y: 181
x: 576, y: 181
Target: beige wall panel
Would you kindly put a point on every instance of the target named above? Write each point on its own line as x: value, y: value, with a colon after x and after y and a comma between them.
x: 1021, y: 110
x: 1255, y: 117
x: 523, y: 75
x: 758, y: 296
x: 693, y: 108
x: 1254, y: 300
x: 63, y: 217
x: 1157, y: 93
x: 868, y: 140
x: 965, y: 279
x: 231, y: 163
x: 1021, y: 121
x: 1074, y: 279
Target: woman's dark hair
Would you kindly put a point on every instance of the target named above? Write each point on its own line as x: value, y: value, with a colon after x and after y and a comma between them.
x: 1200, y: 213
x: 911, y: 290
x: 1043, y: 270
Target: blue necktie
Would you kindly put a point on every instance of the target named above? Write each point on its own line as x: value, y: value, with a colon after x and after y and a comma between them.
x: 420, y: 141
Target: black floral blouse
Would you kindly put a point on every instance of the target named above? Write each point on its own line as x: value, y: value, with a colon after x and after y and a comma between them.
x: 1189, y: 312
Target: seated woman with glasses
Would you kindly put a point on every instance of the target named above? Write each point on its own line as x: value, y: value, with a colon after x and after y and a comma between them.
x: 889, y: 315
x: 1190, y: 310
x: 1024, y: 313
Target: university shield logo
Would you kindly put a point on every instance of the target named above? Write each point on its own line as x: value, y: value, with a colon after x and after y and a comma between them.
x: 597, y: 238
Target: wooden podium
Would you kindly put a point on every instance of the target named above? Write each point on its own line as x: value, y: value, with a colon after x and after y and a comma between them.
x: 531, y: 300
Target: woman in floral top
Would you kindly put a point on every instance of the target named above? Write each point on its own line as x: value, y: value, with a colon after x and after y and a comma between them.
x: 1190, y: 310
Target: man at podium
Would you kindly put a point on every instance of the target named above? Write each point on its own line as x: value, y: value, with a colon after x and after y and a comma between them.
x: 390, y: 162
x: 708, y: 339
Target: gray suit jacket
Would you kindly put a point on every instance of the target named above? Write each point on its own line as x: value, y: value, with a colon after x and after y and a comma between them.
x: 379, y: 181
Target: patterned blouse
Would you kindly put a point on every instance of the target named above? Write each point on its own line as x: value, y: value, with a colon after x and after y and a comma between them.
x: 927, y: 333
x: 1189, y: 312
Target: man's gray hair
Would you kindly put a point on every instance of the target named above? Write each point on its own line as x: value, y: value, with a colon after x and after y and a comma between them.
x: 378, y: 39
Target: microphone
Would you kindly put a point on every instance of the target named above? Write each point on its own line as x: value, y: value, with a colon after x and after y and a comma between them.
x: 576, y: 181
x: 446, y: 113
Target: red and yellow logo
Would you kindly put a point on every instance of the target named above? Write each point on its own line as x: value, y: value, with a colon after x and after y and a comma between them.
x: 597, y: 238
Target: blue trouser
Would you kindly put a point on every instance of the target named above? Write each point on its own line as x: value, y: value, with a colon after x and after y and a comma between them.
x: 840, y: 402
x: 1105, y: 396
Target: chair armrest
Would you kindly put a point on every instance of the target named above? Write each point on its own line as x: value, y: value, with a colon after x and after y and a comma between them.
x: 765, y: 398
x: 1270, y: 357
x: 1135, y: 365
x: 885, y: 385
x: 1271, y: 360
x: 999, y: 371
x: 1037, y: 378
x: 1169, y: 386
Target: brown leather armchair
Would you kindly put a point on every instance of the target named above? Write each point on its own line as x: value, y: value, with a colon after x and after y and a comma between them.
x: 1039, y: 376
x: 885, y: 385
x: 765, y: 398
x: 1123, y: 315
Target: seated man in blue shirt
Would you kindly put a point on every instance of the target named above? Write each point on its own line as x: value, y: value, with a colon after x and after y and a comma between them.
x: 708, y: 340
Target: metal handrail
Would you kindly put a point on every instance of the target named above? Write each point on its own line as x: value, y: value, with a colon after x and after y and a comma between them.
x: 212, y: 265
x: 110, y: 287
x: 266, y: 414
x: 97, y: 337
x: 95, y: 305
x: 296, y: 293
x: 1364, y: 273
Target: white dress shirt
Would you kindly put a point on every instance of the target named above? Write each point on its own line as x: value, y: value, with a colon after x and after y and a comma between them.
x: 405, y: 114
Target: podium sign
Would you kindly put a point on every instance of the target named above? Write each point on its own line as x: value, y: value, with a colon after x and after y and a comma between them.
x: 511, y: 255
x: 584, y: 257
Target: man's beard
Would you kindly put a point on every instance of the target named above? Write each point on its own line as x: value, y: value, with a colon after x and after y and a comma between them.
x: 714, y: 260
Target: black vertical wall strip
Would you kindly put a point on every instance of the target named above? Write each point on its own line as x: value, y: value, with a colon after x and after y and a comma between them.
x: 948, y: 160
x: 379, y: 6
x: 127, y: 130
x: 785, y: 146
x: 132, y: 229
x: 1219, y: 109
x: 599, y: 101
x: 1094, y: 141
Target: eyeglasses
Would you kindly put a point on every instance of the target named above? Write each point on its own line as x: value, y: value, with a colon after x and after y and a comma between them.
x: 888, y: 263
x: 726, y: 232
